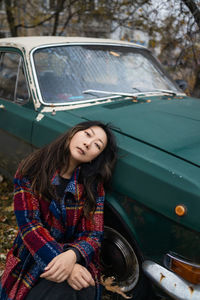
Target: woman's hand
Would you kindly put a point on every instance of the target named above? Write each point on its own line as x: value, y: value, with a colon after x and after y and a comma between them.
x: 80, y: 278
x: 60, y: 267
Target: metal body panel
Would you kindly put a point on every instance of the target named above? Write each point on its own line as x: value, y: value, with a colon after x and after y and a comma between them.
x: 15, y: 135
x: 170, y: 125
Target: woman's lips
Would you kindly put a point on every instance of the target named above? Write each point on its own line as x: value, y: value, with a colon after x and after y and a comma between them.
x: 81, y: 150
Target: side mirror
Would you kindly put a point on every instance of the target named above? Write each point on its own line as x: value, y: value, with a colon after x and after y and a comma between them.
x: 182, y: 84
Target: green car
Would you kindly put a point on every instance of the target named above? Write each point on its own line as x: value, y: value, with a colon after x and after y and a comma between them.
x: 152, y: 224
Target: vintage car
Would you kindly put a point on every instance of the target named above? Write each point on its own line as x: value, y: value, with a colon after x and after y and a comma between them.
x: 152, y: 223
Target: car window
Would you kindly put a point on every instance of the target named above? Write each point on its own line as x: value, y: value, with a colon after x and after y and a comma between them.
x: 13, y: 85
x: 65, y: 72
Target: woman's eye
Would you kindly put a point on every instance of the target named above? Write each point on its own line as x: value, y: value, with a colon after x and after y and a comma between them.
x: 97, y: 145
x: 87, y: 133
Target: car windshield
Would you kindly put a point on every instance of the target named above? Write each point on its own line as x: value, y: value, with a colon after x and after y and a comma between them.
x: 67, y: 74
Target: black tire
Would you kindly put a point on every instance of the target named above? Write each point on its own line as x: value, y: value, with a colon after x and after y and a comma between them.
x: 119, y: 259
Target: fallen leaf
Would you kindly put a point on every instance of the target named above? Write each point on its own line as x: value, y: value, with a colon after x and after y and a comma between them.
x: 3, y: 219
x: 109, y: 285
x: 4, y: 197
x: 9, y: 208
x: 3, y: 256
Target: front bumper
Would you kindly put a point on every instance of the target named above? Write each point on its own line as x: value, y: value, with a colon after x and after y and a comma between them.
x: 170, y: 283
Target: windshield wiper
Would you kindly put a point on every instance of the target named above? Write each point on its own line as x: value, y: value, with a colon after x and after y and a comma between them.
x: 108, y: 93
x: 134, y: 88
x: 168, y: 92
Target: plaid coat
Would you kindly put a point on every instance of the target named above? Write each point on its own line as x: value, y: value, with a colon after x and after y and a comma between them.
x: 45, y: 229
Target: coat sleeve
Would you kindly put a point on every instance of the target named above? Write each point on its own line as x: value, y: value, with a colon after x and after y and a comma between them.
x: 42, y: 246
x: 89, y: 233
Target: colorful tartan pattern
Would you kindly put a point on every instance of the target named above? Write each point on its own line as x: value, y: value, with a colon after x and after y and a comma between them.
x: 45, y: 229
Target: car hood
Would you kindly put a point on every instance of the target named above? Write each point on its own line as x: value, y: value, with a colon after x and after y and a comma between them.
x: 169, y: 124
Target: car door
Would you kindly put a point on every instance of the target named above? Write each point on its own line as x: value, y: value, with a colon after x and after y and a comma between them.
x: 16, y: 111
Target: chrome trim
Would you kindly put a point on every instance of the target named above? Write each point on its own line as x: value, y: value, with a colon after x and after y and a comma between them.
x: 170, y: 283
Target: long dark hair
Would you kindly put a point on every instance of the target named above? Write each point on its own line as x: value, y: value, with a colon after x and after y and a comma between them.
x: 40, y: 165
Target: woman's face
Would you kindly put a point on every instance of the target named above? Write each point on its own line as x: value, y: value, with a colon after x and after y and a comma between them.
x: 87, y: 144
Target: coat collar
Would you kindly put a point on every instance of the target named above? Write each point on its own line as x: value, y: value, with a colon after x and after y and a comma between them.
x: 73, y: 186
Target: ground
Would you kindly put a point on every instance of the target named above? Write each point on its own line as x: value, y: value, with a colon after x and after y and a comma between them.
x: 8, y: 227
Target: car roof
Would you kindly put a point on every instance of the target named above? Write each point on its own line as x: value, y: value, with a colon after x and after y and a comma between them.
x: 30, y: 42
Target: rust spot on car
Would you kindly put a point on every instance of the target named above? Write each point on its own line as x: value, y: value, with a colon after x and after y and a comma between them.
x: 191, y: 289
x: 161, y: 277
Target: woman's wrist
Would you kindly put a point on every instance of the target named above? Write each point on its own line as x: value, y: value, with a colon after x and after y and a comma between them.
x: 73, y: 254
x: 79, y: 257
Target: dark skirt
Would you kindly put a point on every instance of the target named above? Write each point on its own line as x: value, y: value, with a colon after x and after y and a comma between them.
x: 49, y: 290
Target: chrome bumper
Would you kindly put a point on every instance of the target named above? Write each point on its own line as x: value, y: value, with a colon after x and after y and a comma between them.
x: 172, y: 284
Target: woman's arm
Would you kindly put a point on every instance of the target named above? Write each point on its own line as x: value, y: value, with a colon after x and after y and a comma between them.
x: 87, y: 242
x: 36, y: 237
x: 89, y: 233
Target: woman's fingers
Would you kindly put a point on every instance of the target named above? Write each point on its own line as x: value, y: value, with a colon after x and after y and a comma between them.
x: 82, y: 283
x: 53, y: 271
x: 56, y: 273
x: 77, y: 284
x: 50, y: 265
x: 80, y: 277
x: 74, y: 286
x: 48, y: 273
x: 87, y: 276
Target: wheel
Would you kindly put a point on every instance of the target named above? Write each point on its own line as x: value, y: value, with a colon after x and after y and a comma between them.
x: 119, y: 259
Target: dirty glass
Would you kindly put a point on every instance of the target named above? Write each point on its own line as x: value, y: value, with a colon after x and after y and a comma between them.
x: 13, y: 85
x: 64, y: 72
x: 8, y: 74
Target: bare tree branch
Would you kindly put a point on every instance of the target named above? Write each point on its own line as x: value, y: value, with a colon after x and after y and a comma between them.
x: 194, y: 10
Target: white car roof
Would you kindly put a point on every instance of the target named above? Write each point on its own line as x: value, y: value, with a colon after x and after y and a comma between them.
x: 31, y: 42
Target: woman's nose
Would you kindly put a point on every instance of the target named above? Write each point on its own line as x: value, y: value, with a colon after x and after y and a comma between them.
x: 86, y: 144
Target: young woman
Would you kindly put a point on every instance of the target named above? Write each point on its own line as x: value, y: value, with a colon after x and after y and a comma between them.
x: 58, y: 202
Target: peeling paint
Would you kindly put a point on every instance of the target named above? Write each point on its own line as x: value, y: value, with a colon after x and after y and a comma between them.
x: 39, y: 117
x: 161, y: 276
x: 191, y: 289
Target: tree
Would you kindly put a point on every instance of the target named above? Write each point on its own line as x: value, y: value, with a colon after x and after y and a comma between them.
x: 194, y: 9
x: 173, y: 29
x: 60, y: 15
